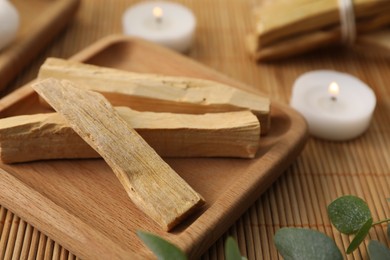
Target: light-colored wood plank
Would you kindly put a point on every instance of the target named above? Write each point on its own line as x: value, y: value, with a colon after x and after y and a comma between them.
x: 48, y: 136
x: 150, y: 182
x: 158, y: 93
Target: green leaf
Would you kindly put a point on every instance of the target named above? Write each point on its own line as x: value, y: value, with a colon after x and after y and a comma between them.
x: 377, y: 251
x: 232, y: 252
x: 302, y: 244
x: 360, y: 235
x: 160, y: 247
x: 348, y: 214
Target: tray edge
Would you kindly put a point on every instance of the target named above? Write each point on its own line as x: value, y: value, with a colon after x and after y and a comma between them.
x: 221, y: 224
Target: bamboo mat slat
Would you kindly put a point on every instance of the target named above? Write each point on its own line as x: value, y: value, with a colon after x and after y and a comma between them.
x: 324, y: 171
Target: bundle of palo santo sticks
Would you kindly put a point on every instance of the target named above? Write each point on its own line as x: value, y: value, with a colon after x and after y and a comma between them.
x: 286, y: 28
x: 178, y: 116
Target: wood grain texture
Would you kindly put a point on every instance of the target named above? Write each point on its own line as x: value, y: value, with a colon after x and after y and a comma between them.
x: 149, y: 181
x: 47, y: 136
x: 35, y: 32
x: 308, y: 25
x: 323, y: 172
x: 90, y: 239
x: 159, y: 93
x: 91, y: 193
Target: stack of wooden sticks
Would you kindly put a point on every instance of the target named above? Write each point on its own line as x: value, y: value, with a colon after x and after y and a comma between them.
x: 201, y: 119
x: 286, y: 28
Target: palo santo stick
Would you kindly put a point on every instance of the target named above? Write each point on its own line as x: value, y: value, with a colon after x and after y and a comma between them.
x: 302, y: 16
x: 48, y: 136
x: 304, y: 25
x: 150, y: 182
x: 147, y: 92
x: 377, y: 42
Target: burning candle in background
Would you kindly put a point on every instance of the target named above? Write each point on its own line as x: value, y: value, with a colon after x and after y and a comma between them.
x: 336, y: 106
x: 158, y: 13
x: 169, y: 24
x: 333, y: 90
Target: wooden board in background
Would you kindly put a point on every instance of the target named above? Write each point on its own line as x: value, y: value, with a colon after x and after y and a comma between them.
x: 40, y: 21
x: 81, y: 204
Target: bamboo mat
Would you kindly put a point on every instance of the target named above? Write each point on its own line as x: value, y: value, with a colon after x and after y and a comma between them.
x: 324, y: 171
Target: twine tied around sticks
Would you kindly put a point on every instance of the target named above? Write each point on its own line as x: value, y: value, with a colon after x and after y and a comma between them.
x: 347, y: 22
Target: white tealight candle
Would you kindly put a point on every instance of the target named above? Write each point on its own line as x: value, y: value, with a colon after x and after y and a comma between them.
x: 169, y: 24
x: 336, y: 106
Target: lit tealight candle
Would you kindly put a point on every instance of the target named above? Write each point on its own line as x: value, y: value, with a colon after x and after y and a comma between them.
x: 336, y: 106
x: 158, y: 13
x: 169, y: 24
x: 333, y: 91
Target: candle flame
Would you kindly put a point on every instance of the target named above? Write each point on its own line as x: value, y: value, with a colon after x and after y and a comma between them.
x: 333, y: 90
x: 158, y: 12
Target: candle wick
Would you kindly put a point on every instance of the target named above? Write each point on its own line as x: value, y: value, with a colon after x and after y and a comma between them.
x: 333, y: 90
x: 158, y: 14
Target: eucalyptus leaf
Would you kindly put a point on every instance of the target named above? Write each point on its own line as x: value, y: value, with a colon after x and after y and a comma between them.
x: 360, y: 235
x: 302, y: 244
x: 377, y: 251
x: 232, y: 252
x: 163, y: 249
x: 348, y: 214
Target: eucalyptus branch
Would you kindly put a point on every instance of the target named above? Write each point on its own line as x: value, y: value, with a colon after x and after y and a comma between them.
x: 350, y: 215
x: 381, y: 221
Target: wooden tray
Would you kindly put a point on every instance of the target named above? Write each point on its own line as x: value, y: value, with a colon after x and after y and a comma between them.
x: 81, y: 204
x: 40, y: 21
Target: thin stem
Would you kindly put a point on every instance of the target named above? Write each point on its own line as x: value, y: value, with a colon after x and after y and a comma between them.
x: 381, y: 221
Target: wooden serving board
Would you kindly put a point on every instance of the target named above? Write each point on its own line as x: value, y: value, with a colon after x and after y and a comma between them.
x: 81, y: 204
x: 40, y: 21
